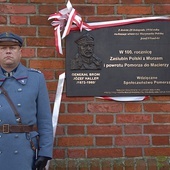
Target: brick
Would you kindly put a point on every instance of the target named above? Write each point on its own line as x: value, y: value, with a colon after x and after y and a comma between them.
x: 49, y: 1
x: 85, y: 10
x: 46, y: 64
x: 157, y: 1
x: 75, y: 130
x: 95, y: 164
x: 39, y: 20
x: 84, y: 164
x: 37, y: 41
x: 77, y: 2
x: 60, y: 130
x: 103, y: 1
x: 46, y: 31
x: 131, y: 140
x: 161, y: 118
x: 119, y: 166
x: 104, y: 119
x: 152, y: 164
x: 104, y: 108
x: 18, y: 1
x: 76, y: 99
x: 58, y: 73
x: 134, y: 10
x: 157, y: 107
x: 75, y: 141
x: 161, y: 98
x: 104, y: 153
x: 46, y: 52
x: 59, y: 163
x: 162, y: 9
x: 104, y: 130
x: 28, y: 52
x: 62, y: 108
x: 103, y: 141
x: 131, y: 2
x: 73, y: 119
x: 106, y: 164
x: 18, y: 20
x: 22, y: 31
x: 3, y: 20
x: 157, y: 151
x: 157, y: 129
x: 23, y: 61
x: 129, y: 164
x: 17, y: 9
x: 133, y: 129
x: 51, y: 85
x: 160, y: 140
x: 72, y: 164
x: 49, y: 75
x: 76, y: 108
x: 133, y: 107
x: 58, y: 153
x: 141, y: 164
x: 76, y: 153
x: 133, y: 118
x: 133, y: 152
x: 47, y: 9
x: 105, y: 10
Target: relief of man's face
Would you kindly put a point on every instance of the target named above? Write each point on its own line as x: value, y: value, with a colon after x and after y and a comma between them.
x: 86, y: 50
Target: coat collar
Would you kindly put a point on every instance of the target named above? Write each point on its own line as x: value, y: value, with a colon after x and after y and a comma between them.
x: 20, y: 75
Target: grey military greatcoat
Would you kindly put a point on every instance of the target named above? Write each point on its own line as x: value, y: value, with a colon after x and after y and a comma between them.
x: 27, y: 89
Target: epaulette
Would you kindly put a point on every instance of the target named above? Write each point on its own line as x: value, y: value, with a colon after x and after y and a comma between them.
x: 34, y: 70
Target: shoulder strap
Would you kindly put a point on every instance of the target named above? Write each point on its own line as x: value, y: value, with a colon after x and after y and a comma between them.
x: 18, y: 118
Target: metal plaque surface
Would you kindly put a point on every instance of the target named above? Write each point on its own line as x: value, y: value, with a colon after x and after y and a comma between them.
x: 128, y: 60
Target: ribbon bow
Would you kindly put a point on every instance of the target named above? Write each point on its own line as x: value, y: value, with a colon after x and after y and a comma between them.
x: 64, y: 20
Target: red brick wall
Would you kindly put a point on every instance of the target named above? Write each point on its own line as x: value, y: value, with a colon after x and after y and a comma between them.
x: 92, y: 133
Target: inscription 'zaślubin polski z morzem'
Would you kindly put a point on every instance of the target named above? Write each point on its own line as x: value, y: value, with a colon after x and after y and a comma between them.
x: 119, y: 61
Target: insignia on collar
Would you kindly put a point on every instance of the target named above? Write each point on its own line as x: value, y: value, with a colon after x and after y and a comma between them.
x: 35, y: 70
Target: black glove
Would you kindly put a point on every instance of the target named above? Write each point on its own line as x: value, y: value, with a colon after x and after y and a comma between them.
x: 41, y: 162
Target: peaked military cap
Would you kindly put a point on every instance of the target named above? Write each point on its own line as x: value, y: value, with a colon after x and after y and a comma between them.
x: 85, y: 39
x: 8, y: 38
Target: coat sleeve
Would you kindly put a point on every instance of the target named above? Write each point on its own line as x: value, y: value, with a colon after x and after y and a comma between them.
x: 44, y: 120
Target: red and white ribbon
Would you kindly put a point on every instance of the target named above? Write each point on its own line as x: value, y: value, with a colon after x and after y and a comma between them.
x: 125, y: 98
x: 64, y: 21
x: 68, y: 19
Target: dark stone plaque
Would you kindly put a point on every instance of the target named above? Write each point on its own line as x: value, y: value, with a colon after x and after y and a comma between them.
x: 129, y: 60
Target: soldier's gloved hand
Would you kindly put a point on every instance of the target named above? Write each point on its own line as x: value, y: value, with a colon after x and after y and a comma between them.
x: 41, y: 162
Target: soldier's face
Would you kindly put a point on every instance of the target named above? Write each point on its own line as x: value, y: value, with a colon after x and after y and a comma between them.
x: 10, y: 56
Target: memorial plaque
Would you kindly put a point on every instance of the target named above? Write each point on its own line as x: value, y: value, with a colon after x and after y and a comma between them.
x: 128, y: 60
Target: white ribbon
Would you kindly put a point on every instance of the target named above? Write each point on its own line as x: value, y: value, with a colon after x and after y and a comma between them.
x: 56, y: 108
x: 57, y: 102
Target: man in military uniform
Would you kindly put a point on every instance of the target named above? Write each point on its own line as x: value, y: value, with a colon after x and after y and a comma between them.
x: 85, y: 59
x: 26, y: 134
